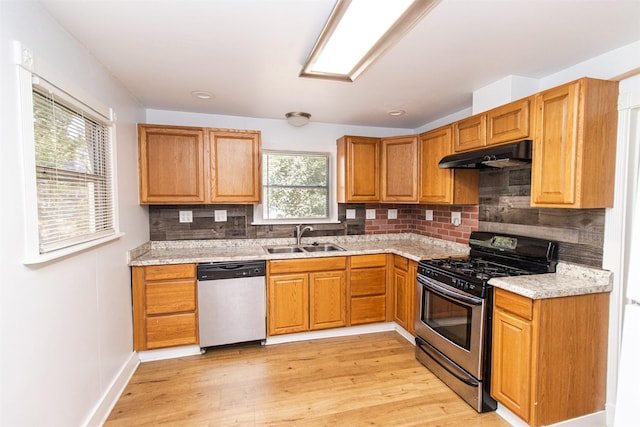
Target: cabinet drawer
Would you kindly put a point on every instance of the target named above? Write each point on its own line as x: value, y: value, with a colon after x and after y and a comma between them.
x: 307, y: 265
x: 176, y: 271
x: 514, y: 303
x: 170, y: 297
x: 378, y: 260
x: 368, y: 281
x: 368, y: 309
x: 172, y: 330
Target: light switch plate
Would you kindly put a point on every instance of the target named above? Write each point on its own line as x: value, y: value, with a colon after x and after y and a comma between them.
x: 220, y: 216
x: 186, y: 216
x: 456, y: 218
x: 371, y: 214
x: 351, y: 214
x: 392, y: 214
x: 428, y: 215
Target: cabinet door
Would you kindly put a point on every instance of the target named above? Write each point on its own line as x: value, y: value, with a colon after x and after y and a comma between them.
x: 288, y: 304
x: 509, y: 123
x: 171, y: 164
x: 327, y: 300
x: 358, y: 164
x: 235, y: 166
x: 400, y: 169
x: 171, y: 330
x: 470, y: 133
x: 401, y: 294
x: 511, y: 362
x: 436, y: 185
x: 553, y: 170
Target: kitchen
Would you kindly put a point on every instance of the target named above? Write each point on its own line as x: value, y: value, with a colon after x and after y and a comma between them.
x: 73, y: 334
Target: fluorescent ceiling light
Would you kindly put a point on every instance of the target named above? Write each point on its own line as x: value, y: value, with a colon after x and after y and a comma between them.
x: 358, y: 32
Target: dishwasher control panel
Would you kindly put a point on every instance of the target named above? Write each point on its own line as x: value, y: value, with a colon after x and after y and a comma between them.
x: 231, y: 270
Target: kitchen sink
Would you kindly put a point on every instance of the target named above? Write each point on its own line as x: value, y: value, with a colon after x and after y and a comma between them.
x: 284, y: 250
x: 323, y: 248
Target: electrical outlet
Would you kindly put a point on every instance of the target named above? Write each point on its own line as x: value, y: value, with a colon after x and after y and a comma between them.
x: 456, y: 218
x: 220, y: 216
x: 351, y: 214
x: 371, y: 214
x: 392, y: 214
x: 186, y: 216
x: 428, y: 215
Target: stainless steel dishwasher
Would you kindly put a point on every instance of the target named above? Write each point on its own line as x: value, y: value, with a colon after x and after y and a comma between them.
x: 231, y: 302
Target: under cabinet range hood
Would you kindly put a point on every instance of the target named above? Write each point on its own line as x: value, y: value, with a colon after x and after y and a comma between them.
x: 500, y: 156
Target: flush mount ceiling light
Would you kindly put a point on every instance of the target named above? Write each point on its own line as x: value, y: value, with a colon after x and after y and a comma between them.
x: 358, y: 32
x: 202, y: 94
x: 298, y: 118
x: 396, y: 113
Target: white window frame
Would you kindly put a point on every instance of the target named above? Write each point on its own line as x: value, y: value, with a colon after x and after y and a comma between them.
x: 258, y: 218
x: 36, y: 72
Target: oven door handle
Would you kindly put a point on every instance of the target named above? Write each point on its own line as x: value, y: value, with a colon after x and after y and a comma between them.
x: 450, y: 293
x: 448, y: 365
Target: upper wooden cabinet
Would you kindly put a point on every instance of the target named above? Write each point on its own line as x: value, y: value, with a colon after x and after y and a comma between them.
x: 447, y: 186
x: 171, y: 164
x: 509, y: 123
x: 470, y: 133
x: 575, y: 145
x: 179, y: 165
x: 399, y: 175
x: 358, y: 169
x: 234, y: 159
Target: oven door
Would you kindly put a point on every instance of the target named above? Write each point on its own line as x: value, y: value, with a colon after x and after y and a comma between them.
x: 452, y: 322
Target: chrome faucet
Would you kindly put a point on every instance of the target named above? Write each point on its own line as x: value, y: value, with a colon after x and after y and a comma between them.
x: 300, y: 230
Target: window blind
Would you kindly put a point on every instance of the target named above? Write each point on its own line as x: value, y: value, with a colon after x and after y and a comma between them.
x: 73, y: 174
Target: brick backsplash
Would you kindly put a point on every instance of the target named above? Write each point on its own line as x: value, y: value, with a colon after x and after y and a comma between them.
x: 411, y: 219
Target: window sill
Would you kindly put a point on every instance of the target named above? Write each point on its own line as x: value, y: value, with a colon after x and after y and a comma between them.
x: 296, y: 221
x: 43, y: 258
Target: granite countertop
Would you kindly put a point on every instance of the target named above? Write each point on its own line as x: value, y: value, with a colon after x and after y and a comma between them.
x: 412, y: 246
x: 568, y: 280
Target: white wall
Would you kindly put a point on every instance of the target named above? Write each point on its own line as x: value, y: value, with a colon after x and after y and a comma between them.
x: 65, y: 326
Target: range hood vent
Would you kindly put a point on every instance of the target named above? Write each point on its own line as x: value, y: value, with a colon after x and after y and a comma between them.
x: 501, y: 156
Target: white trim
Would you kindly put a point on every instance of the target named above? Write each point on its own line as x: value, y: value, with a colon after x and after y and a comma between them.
x: 597, y: 419
x: 169, y: 353
x: 33, y: 259
x: 110, y: 397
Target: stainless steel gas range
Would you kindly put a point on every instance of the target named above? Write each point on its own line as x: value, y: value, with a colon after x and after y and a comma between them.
x: 453, y: 322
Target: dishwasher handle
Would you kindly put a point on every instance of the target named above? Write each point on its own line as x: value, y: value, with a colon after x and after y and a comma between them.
x: 231, y: 270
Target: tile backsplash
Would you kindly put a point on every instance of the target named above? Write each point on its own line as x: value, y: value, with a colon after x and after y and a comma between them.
x: 504, y: 207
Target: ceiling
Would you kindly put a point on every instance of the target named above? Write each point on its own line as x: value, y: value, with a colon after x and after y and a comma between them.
x: 248, y: 53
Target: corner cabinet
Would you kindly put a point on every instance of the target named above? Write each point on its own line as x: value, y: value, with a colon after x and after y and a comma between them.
x: 306, y: 295
x: 549, y: 356
x: 444, y: 186
x: 358, y: 169
x: 399, y: 174
x: 165, y: 307
x: 171, y: 164
x: 189, y: 165
x: 575, y: 145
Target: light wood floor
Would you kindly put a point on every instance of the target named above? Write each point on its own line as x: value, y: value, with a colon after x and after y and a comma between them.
x: 371, y: 379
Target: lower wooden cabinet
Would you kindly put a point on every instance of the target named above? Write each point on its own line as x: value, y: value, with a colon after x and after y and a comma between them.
x: 306, y: 294
x: 165, y: 307
x: 549, y: 356
x: 368, y: 288
x: 403, y: 292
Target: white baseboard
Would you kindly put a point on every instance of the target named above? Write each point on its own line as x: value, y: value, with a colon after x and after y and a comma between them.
x: 597, y: 419
x: 113, y: 392
x: 341, y: 332
x: 169, y: 353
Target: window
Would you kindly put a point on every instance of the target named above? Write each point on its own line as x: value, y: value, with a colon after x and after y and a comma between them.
x: 295, y: 186
x: 73, y: 173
